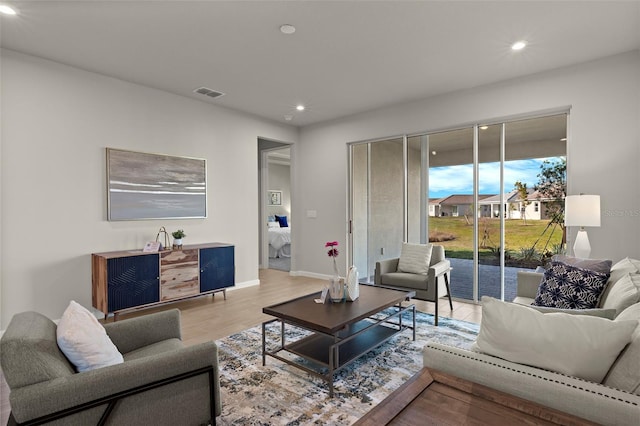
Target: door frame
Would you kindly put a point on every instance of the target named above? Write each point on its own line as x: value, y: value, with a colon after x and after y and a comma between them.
x: 263, y: 190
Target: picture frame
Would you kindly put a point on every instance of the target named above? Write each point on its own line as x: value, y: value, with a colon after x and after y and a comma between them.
x: 274, y: 198
x: 142, y: 186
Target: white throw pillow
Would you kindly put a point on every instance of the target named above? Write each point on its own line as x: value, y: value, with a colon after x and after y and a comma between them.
x: 623, y: 293
x: 576, y: 345
x: 625, y: 372
x: 274, y: 224
x: 84, y: 340
x: 631, y: 265
x: 415, y: 258
x: 618, y: 271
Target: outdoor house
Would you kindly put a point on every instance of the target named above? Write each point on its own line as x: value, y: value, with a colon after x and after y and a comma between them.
x: 534, y: 207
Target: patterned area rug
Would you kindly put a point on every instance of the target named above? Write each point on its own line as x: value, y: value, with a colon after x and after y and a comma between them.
x: 279, y: 394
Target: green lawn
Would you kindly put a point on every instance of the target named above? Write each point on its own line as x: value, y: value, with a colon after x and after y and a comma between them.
x: 518, y: 236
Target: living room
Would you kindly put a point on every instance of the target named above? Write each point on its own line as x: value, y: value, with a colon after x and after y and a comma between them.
x: 58, y: 118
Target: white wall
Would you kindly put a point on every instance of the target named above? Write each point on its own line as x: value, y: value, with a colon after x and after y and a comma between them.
x: 603, y: 149
x: 56, y: 123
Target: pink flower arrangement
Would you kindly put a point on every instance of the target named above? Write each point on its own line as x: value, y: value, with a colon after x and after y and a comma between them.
x: 333, y: 253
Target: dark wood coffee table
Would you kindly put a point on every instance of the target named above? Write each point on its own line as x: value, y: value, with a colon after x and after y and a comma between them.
x: 340, y: 332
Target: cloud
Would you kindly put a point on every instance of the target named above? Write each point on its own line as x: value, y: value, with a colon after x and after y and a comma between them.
x: 449, y: 180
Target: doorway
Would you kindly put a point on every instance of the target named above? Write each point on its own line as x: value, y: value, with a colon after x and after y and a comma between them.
x: 275, y: 205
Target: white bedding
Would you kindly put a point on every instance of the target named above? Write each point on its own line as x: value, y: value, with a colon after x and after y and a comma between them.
x: 279, y: 240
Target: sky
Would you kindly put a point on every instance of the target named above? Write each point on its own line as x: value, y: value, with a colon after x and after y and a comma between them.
x: 444, y: 181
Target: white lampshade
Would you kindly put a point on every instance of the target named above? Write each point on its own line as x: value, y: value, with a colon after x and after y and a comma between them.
x: 582, y: 210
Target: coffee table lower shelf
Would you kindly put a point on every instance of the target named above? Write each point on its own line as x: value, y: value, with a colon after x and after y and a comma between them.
x: 316, y: 347
x: 333, y: 352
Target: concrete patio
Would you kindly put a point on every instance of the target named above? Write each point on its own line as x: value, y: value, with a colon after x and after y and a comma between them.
x: 461, y: 280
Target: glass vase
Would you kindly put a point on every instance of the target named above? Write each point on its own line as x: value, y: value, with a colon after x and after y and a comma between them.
x: 336, y: 289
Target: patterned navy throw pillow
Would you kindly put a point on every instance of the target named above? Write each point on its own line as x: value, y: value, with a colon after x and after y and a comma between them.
x: 569, y: 287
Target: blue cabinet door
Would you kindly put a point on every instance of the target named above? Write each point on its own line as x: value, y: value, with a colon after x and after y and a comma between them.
x: 133, y: 281
x: 217, y: 268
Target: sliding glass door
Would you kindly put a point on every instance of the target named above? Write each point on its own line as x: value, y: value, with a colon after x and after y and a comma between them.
x: 377, y: 198
x: 491, y: 194
x: 451, y: 204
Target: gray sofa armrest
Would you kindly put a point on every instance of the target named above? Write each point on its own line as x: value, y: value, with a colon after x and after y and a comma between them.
x: 48, y: 397
x: 384, y: 267
x: 528, y: 283
x: 591, y: 401
x: 134, y: 333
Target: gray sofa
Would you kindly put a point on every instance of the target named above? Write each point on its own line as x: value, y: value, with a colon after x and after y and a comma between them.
x: 161, y: 381
x: 615, y: 401
x: 592, y: 401
x: 425, y: 286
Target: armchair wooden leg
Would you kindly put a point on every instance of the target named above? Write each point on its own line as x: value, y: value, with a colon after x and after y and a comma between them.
x: 446, y: 283
x: 435, y: 318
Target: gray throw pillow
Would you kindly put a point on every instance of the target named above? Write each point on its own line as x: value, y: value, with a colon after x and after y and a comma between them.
x: 597, y: 265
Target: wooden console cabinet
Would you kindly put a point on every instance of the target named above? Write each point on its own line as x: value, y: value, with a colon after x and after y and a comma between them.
x: 123, y: 280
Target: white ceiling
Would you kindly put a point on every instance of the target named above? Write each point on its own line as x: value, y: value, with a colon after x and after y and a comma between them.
x: 346, y: 57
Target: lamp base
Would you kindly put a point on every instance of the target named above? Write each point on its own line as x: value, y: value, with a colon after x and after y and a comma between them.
x: 582, y: 248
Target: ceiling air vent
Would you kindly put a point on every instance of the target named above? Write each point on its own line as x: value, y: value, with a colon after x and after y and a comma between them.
x: 208, y: 92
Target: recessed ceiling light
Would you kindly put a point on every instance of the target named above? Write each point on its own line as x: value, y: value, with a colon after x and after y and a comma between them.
x: 484, y: 127
x: 563, y: 139
x: 300, y: 107
x: 519, y: 45
x: 287, y: 29
x: 433, y: 152
x: 7, y: 10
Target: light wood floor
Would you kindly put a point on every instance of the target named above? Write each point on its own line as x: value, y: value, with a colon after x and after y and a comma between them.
x: 212, y: 318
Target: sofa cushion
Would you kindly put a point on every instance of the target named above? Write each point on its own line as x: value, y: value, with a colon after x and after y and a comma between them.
x: 569, y: 287
x: 577, y: 345
x: 625, y: 372
x: 415, y: 258
x: 623, y: 293
x: 30, y: 340
x: 84, y: 340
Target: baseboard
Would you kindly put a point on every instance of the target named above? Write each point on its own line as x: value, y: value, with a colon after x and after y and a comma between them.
x: 310, y: 275
x: 244, y: 285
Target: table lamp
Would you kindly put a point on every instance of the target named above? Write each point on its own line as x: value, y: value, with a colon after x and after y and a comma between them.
x: 582, y: 210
